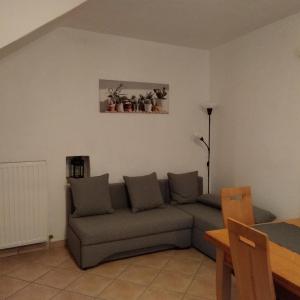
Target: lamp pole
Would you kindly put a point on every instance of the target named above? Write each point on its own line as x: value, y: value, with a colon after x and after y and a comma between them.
x: 209, y: 112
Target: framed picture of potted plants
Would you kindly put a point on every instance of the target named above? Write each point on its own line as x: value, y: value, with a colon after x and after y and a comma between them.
x: 133, y: 97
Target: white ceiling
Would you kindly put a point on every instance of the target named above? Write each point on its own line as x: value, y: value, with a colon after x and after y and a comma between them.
x: 201, y: 24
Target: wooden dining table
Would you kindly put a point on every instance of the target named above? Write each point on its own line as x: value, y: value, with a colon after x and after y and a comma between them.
x: 285, y: 264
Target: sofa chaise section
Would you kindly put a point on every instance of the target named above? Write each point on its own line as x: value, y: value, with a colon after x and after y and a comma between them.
x: 210, y: 218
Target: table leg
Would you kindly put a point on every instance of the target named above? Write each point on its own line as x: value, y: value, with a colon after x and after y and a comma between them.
x: 223, y: 277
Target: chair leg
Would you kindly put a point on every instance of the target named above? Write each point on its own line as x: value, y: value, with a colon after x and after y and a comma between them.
x: 223, y: 277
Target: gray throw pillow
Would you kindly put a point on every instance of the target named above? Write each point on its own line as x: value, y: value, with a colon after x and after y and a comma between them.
x: 184, y: 187
x: 91, y: 196
x: 144, y: 192
x: 212, y: 200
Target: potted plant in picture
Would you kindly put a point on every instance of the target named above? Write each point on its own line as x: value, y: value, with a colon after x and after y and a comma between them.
x: 161, y: 99
x: 134, y: 103
x: 141, y: 101
x: 115, y: 96
x: 120, y: 105
x: 127, y: 104
x: 148, y: 106
x: 149, y: 101
x: 111, y: 105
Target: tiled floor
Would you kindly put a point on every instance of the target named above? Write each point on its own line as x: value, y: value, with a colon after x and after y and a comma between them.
x: 168, y: 275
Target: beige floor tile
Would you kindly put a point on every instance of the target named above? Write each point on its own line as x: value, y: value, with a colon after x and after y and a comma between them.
x: 9, y: 264
x: 155, y: 260
x: 60, y: 250
x: 209, y: 263
x: 34, y: 292
x: 30, y: 272
x: 139, y: 274
x: 183, y: 265
x: 203, y: 286
x: 189, y: 253
x: 9, y: 286
x: 176, y: 282
x: 12, y: 263
x: 64, y: 295
x: 59, y: 278
x: 169, y: 273
x: 189, y: 297
x: 207, y: 268
x: 53, y: 257
x: 90, y: 285
x: 122, y: 290
x: 31, y: 257
x: 70, y: 264
x: 110, y: 269
x: 205, y: 289
x: 159, y: 294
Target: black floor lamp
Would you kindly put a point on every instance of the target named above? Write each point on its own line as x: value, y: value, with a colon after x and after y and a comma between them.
x: 209, y: 109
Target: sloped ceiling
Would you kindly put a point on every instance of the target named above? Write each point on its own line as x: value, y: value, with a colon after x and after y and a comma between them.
x: 202, y: 24
x: 19, y: 18
x: 194, y: 23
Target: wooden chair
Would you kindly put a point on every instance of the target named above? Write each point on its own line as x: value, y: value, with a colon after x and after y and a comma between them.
x: 237, y: 204
x: 251, y: 262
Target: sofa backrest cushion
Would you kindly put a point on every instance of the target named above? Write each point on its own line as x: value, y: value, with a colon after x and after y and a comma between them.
x: 91, y: 196
x: 184, y: 187
x: 144, y: 192
x: 120, y: 198
x: 119, y: 194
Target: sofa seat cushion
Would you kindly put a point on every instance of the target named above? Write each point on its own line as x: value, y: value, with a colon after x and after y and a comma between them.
x: 123, y: 224
x: 210, y: 218
x: 205, y: 217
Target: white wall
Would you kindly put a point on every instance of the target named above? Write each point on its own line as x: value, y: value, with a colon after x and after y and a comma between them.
x: 19, y: 17
x: 256, y: 80
x: 50, y: 109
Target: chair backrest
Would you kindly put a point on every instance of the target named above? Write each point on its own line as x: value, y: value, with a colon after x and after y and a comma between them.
x: 237, y: 204
x: 251, y: 262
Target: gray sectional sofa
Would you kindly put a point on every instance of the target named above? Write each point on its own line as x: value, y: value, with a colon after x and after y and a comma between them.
x: 99, y: 238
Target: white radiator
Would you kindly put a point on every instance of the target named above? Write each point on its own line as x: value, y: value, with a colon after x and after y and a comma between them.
x: 23, y: 203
